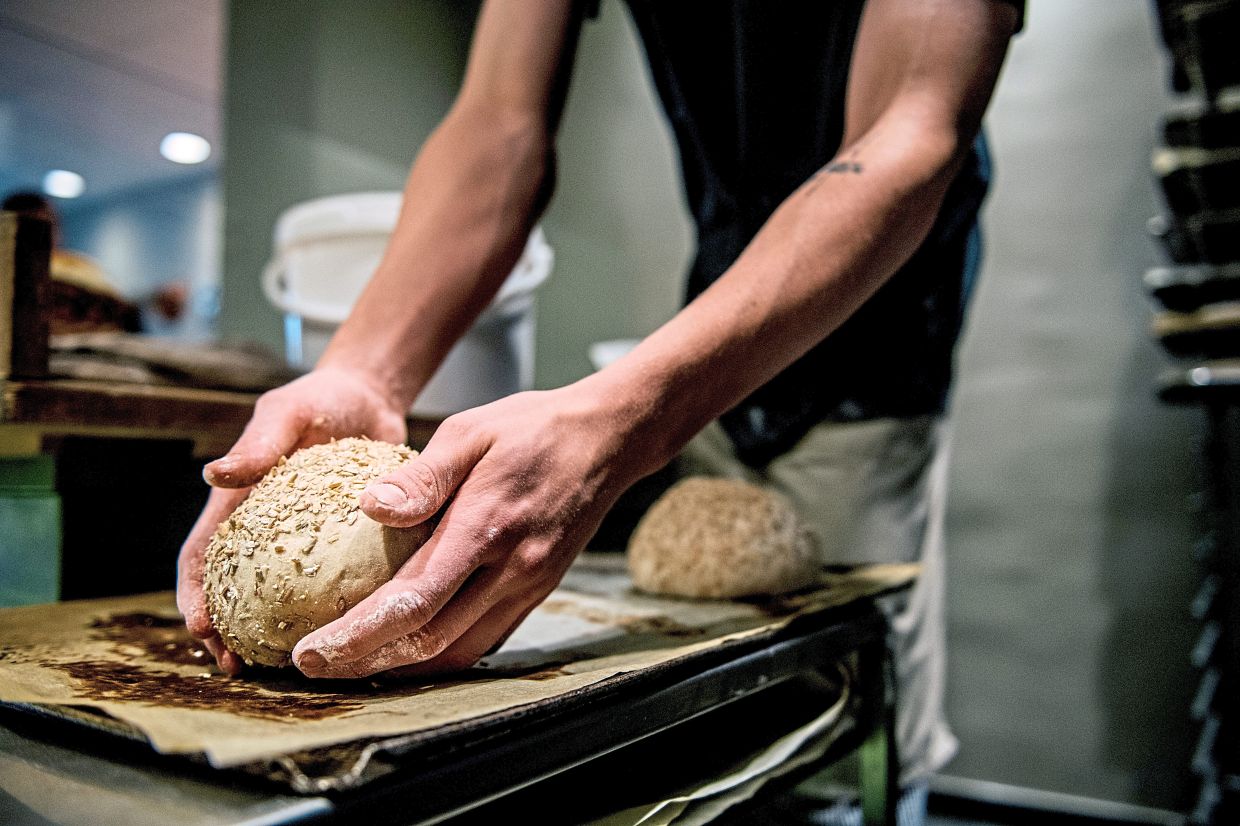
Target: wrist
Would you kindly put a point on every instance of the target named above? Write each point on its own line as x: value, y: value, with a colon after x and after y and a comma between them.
x: 369, y: 366
x: 369, y: 383
x: 650, y: 425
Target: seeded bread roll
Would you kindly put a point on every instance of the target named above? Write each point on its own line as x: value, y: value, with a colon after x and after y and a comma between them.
x: 720, y: 539
x: 298, y: 553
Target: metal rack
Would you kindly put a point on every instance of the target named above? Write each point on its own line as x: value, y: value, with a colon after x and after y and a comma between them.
x: 1198, y: 324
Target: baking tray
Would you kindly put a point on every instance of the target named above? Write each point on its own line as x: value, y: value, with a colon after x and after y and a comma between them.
x: 492, y: 753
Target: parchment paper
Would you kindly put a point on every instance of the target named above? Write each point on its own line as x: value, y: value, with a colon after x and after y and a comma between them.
x: 131, y: 658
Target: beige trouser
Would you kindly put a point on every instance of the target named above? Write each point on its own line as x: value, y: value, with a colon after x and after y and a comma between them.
x: 872, y: 491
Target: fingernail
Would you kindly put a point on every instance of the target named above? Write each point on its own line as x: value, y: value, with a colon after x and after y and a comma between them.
x: 221, y: 468
x: 311, y: 660
x: 385, y: 493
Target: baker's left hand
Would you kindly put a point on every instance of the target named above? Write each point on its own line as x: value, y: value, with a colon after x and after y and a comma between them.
x: 526, y: 481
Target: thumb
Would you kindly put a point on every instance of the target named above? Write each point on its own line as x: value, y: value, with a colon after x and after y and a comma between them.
x: 273, y: 431
x: 419, y: 488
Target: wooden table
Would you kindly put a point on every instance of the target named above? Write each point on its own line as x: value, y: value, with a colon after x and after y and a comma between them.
x: 93, y: 469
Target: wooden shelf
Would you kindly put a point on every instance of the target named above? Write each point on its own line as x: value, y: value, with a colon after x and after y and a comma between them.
x: 212, y: 419
x: 36, y: 409
x: 139, y: 407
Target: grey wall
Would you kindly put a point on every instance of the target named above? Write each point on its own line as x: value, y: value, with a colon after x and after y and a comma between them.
x: 324, y: 98
x: 1069, y: 523
x: 1069, y: 534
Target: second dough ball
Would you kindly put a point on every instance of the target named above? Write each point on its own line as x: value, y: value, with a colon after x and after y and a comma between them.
x: 719, y: 539
x: 298, y: 552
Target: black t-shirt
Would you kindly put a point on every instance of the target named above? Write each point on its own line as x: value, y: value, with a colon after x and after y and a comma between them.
x: 754, y: 90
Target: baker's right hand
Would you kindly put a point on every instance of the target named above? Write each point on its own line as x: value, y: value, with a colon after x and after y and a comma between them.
x: 324, y: 404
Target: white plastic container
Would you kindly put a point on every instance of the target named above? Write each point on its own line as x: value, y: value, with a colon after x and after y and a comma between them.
x: 325, y: 252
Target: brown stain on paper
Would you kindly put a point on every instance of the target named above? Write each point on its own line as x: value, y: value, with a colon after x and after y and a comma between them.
x: 115, y: 681
x: 12, y: 655
x: 153, y: 660
x: 143, y: 642
x: 163, y: 639
x: 545, y: 674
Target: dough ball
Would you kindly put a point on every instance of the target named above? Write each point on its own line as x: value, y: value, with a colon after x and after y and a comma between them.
x: 299, y: 553
x: 721, y: 538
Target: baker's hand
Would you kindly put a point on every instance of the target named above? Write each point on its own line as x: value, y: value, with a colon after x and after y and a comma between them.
x: 527, y: 480
x: 324, y: 404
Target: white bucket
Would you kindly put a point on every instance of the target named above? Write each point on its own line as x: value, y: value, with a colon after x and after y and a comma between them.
x: 325, y: 252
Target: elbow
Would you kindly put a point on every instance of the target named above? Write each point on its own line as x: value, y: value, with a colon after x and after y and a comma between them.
x: 931, y: 158
x: 919, y: 159
x: 936, y: 156
x: 927, y: 139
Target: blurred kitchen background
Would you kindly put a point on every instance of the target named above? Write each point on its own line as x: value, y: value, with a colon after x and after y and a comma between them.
x: 93, y: 89
x: 1072, y: 520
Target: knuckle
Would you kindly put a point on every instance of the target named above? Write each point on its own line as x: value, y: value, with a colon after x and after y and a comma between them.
x: 407, y: 609
x: 265, y: 403
x: 527, y: 562
x: 456, y: 426
x: 495, y: 540
x: 423, y: 480
x: 427, y: 643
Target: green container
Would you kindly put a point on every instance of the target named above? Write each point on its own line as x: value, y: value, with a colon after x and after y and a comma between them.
x: 29, y: 531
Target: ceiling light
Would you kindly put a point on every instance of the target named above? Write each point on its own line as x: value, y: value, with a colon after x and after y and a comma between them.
x: 61, y: 183
x: 185, y: 147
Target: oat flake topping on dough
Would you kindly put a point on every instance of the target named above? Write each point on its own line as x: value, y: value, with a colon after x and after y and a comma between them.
x: 298, y: 552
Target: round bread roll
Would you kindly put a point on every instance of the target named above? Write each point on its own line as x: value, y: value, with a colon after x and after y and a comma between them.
x: 298, y: 552
x: 719, y: 539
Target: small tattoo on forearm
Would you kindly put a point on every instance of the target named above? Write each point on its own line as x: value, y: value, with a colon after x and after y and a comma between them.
x: 841, y: 167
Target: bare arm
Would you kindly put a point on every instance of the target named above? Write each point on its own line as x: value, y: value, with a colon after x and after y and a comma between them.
x: 472, y: 196
x: 922, y: 75
x: 474, y: 191
x: 523, y: 483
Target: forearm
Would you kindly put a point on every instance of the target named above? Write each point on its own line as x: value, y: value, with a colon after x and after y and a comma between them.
x: 471, y: 198
x: 826, y: 250
x: 922, y: 74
